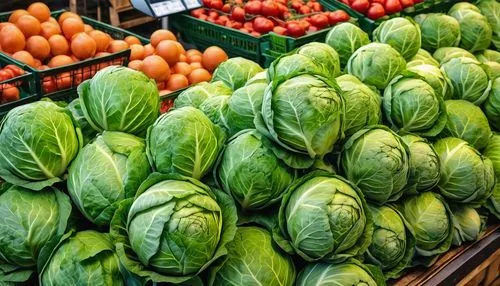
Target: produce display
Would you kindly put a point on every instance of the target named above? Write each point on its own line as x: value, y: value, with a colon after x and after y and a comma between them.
x: 376, y: 9
x: 293, y: 18
x: 10, y: 92
x: 346, y: 162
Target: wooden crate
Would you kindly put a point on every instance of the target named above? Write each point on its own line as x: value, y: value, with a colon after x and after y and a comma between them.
x: 120, y: 9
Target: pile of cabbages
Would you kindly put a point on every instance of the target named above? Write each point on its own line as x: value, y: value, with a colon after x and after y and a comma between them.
x: 345, y: 162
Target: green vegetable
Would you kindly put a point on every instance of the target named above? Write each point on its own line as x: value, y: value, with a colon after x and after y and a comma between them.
x: 120, y: 99
x: 435, y: 78
x: 310, y: 208
x: 467, y: 122
x: 492, y: 105
x: 88, y: 133
x: 464, y: 6
x: 253, y: 260
x: 422, y: 57
x: 243, y: 107
x: 491, y: 10
x: 351, y: 272
x: 184, y: 141
x: 235, y: 72
x: 442, y: 55
x: 259, y: 78
x: 430, y: 221
x: 403, y: 34
x: 362, y: 104
x: 492, y: 152
x: 346, y: 38
x: 28, y: 221
x: 488, y: 55
x: 323, y: 56
x: 216, y: 109
x: 377, y: 160
x: 106, y: 171
x: 412, y: 105
x: 304, y: 114
x: 173, y: 229
x: 466, y: 176
x: 469, y: 80
x: 438, y: 30
x: 475, y: 31
x: 196, y: 94
x: 84, y: 257
x: 392, y: 246
x: 376, y: 64
x: 38, y: 142
x: 251, y: 172
x: 424, y: 164
x: 467, y: 223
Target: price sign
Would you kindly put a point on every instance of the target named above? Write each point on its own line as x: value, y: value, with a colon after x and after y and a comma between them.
x: 162, y: 8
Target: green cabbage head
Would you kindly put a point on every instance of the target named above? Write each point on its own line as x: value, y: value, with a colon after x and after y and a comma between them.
x: 244, y: 105
x: 323, y: 56
x: 88, y: 133
x: 310, y: 208
x: 106, y: 171
x: 253, y: 259
x: 196, y: 94
x: 392, y: 246
x: 377, y: 160
x: 250, y: 171
x: 216, y: 109
x: 438, y: 30
x: 430, y: 221
x: 424, y: 164
x: 346, y: 38
x: 28, y: 221
x: 403, y: 34
x: 468, y: 224
x: 184, y: 141
x: 435, y: 78
x: 422, y: 57
x: 351, y: 272
x: 412, y: 105
x: 38, y: 142
x: 442, y: 55
x: 235, y: 72
x: 466, y: 176
x: 83, y: 256
x: 491, y: 10
x: 376, y: 64
x: 467, y: 122
x: 120, y: 99
x: 475, y: 31
x: 362, y: 104
x: 492, y: 152
x: 173, y: 229
x: 492, y: 105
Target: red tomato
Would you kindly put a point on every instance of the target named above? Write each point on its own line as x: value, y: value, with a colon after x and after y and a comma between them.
x: 198, y: 12
x: 320, y: 21
x: 317, y: 7
x: 360, y: 5
x: 296, y: 5
x: 287, y: 15
x: 253, y: 7
x: 337, y: 17
x: 4, y: 75
x: 216, y: 4
x: 375, y: 11
x: 10, y: 73
x: 304, y: 10
x: 248, y: 26
x: 17, y: 70
x: 223, y: 18
x: 255, y: 34
x: 295, y: 29
x: 244, y: 30
x: 393, y: 6
x: 206, y: 3
x: 347, y: 2
x: 305, y: 24
x: 238, y: 14
x: 226, y: 8
x: 214, y: 15
x: 262, y: 25
x: 236, y: 25
x: 312, y: 29
x: 203, y: 17
x: 280, y: 30
x: 270, y: 8
x: 407, y: 3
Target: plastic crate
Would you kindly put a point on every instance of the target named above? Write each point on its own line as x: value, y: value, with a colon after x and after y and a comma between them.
x: 204, y: 34
x: 62, y: 81
x: 24, y: 83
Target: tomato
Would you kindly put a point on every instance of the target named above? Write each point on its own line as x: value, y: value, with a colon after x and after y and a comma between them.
x: 216, y: 4
x: 17, y: 70
x: 4, y: 75
x: 295, y: 29
x: 10, y: 73
x: 280, y: 30
x: 236, y: 25
x: 360, y: 5
x: 253, y: 7
x: 305, y: 24
x: 248, y: 26
x: 255, y: 34
x: 337, y: 17
x: 347, y: 2
x: 287, y: 15
x: 317, y: 7
x: 263, y: 25
x: 304, y: 10
x: 206, y: 3
x: 320, y: 21
x: 223, y: 18
x: 197, y: 12
x: 238, y: 14
x: 214, y: 15
x: 283, y: 9
x: 312, y: 29
x: 244, y: 30
x: 270, y: 8
x: 226, y: 8
x: 203, y: 17
x: 296, y: 5
x: 49, y: 85
x: 407, y: 3
x: 10, y: 93
x: 375, y: 11
x: 393, y: 6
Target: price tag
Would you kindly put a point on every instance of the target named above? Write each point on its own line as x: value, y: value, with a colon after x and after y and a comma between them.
x: 161, y: 8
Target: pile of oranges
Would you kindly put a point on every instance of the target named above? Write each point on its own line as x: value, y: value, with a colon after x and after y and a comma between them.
x: 172, y: 67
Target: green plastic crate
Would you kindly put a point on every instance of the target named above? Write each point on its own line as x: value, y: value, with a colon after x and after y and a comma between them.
x: 61, y: 82
x: 204, y: 34
x: 26, y: 85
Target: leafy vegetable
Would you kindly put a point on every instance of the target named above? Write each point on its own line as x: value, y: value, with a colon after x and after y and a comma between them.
x: 435, y: 78
x: 403, y: 34
x: 438, y: 30
x: 492, y: 152
x: 216, y: 109
x: 442, y: 55
x: 346, y: 38
x: 491, y: 10
x: 492, y: 105
x: 475, y: 31
x: 323, y: 56
x: 243, y: 107
x: 235, y: 72
x: 468, y: 225
x: 88, y: 133
x: 196, y: 94
x: 422, y: 57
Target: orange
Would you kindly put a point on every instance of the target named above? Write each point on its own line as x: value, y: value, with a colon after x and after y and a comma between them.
x: 194, y: 59
x: 182, y: 68
x: 38, y: 47
x: 38, y: 63
x: 199, y: 75
x: 135, y: 65
x: 183, y: 58
x: 117, y: 46
x: 24, y: 57
x: 53, y: 21
x: 177, y: 81
x: 39, y: 11
x: 29, y: 25
x: 181, y: 48
x: 160, y: 35
x: 136, y: 52
x: 5, y: 24
x: 83, y: 46
x: 213, y: 57
x: 58, y: 45
x: 193, y: 52
x: 87, y: 28
x: 131, y: 40
x: 72, y: 26
x: 12, y: 39
x: 16, y: 15
x: 67, y: 15
x: 101, y: 40
x: 156, y: 68
x: 149, y: 50
x: 60, y: 60
x: 49, y: 29
x: 195, y: 65
x: 169, y: 51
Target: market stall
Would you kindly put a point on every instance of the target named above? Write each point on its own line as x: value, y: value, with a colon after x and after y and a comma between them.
x: 275, y: 142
